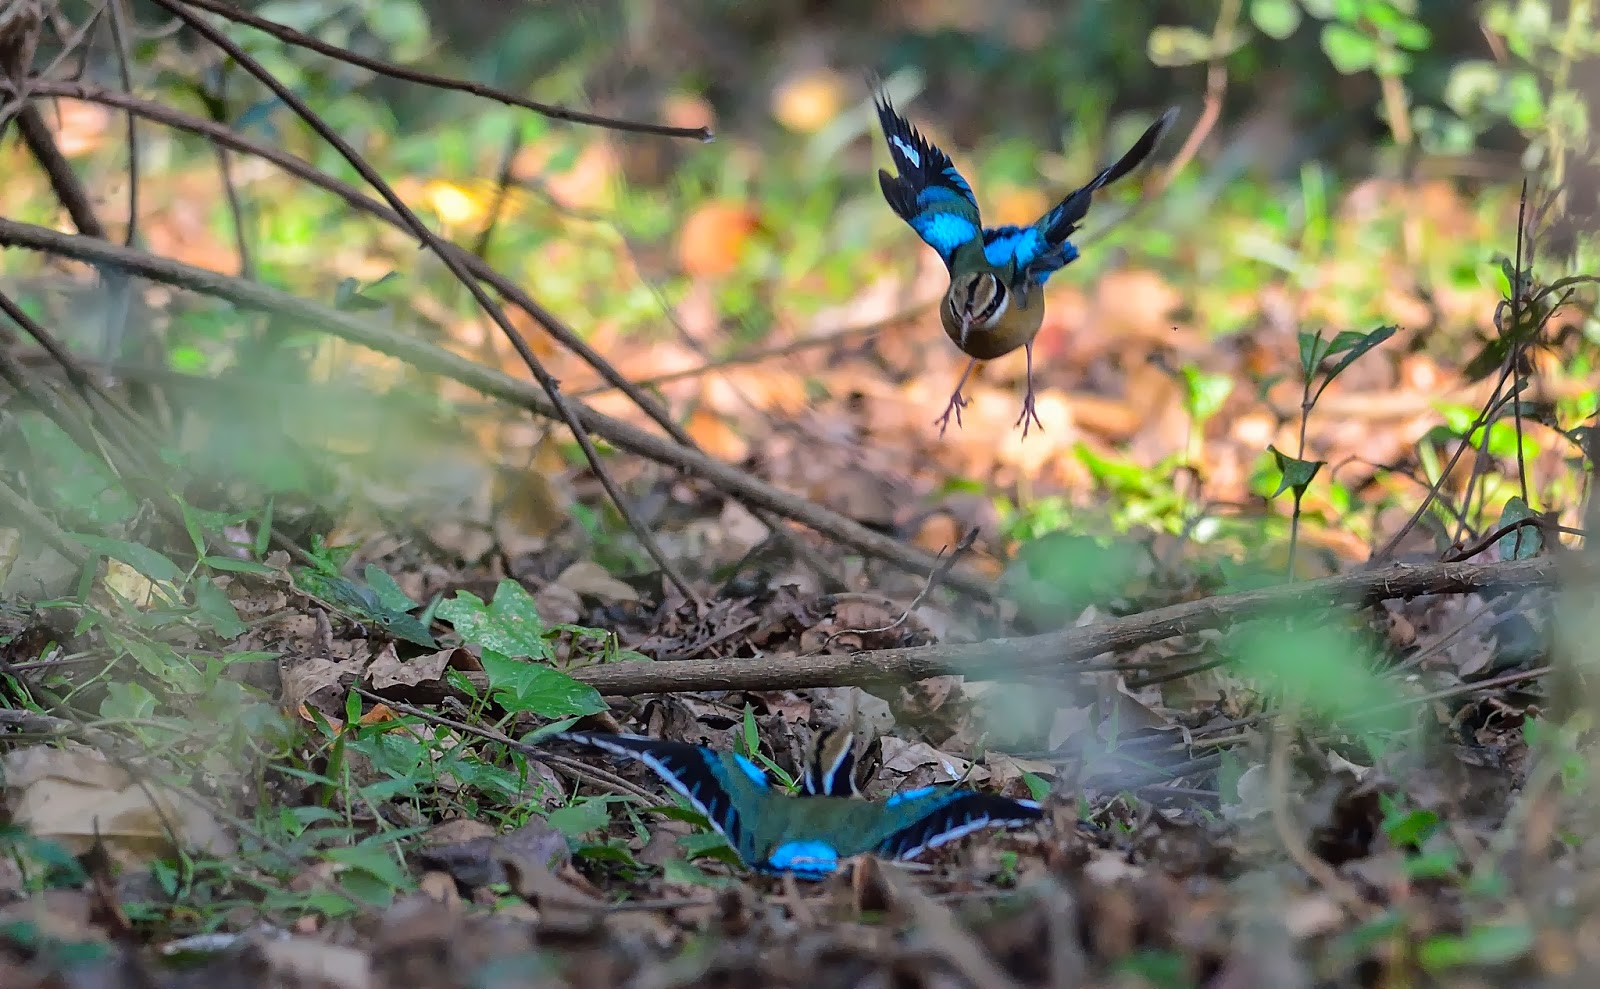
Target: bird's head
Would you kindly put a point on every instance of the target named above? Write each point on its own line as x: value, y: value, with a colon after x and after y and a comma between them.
x: 976, y: 301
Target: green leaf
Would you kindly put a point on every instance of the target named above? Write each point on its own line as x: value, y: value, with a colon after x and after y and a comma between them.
x: 1174, y: 46
x: 1526, y: 542
x: 1349, y: 50
x: 141, y: 558
x: 1275, y: 18
x: 510, y: 625
x: 1412, y: 35
x: 1312, y: 350
x: 1444, y: 863
x: 1328, y: 666
x: 389, y: 593
x: 1381, y: 16
x: 1526, y: 101
x: 751, y: 735
x: 688, y: 874
x: 228, y: 564
x: 375, y: 860
x: 1392, y: 62
x: 707, y: 843
x: 1205, y: 393
x: 1411, y: 828
x: 578, y: 819
x: 1485, y: 944
x: 264, y: 530
x: 212, y: 603
x: 1353, y: 345
x: 1471, y: 84
x: 1297, y: 473
x: 127, y: 700
x: 523, y: 685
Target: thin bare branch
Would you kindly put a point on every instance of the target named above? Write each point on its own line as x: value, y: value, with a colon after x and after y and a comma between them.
x: 289, y: 35
x: 1071, y: 648
x: 304, y: 170
x: 625, y: 436
x: 439, y: 247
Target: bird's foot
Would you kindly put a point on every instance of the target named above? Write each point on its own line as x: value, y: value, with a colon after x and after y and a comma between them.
x: 957, y: 403
x: 1030, y: 415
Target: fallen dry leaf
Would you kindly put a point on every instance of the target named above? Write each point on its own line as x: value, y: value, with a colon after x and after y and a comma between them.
x: 1006, y: 770
x: 309, y: 961
x: 389, y: 670
x: 316, y: 682
x: 920, y: 764
x: 807, y: 101
x: 70, y: 795
x: 480, y: 860
x: 712, y: 240
x: 587, y: 577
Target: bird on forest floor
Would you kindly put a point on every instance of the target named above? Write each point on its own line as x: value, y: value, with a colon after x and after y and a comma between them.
x: 811, y: 835
x: 995, y: 302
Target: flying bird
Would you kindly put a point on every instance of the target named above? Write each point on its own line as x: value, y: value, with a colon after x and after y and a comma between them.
x: 995, y: 302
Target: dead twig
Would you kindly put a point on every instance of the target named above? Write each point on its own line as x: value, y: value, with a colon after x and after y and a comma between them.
x: 762, y: 355
x: 432, y: 241
x: 356, y: 199
x: 223, y: 137
x: 938, y: 574
x: 289, y: 35
x: 1012, y: 659
x: 739, y: 484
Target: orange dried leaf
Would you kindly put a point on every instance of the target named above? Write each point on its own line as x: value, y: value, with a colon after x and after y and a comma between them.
x: 713, y: 239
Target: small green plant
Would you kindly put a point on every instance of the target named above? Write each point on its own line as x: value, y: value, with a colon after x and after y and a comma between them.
x: 1297, y: 472
x: 517, y: 653
x: 1480, y: 944
x: 1420, y: 833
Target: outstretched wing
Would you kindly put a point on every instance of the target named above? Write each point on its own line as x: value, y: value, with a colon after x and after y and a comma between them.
x: 928, y: 193
x: 705, y: 777
x: 918, y: 820
x: 1043, y: 248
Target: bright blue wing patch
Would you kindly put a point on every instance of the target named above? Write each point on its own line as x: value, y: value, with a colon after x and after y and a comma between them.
x: 907, y: 795
x: 757, y: 775
x: 944, y: 232
x: 1029, y: 249
x: 806, y: 858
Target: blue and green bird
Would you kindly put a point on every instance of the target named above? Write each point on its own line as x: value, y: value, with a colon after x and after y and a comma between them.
x: 811, y: 834
x: 995, y: 302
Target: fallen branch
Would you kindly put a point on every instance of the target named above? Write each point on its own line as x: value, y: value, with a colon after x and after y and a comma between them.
x: 434, y: 360
x: 1007, y: 659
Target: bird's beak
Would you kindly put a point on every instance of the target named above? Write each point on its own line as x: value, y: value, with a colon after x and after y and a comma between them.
x: 966, y: 329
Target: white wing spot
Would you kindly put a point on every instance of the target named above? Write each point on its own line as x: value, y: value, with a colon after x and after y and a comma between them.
x: 907, y: 150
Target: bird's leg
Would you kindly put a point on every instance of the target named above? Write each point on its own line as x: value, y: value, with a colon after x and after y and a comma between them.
x: 1028, y: 412
x: 957, y: 403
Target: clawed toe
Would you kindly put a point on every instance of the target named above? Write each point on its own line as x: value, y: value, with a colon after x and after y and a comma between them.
x: 957, y: 403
